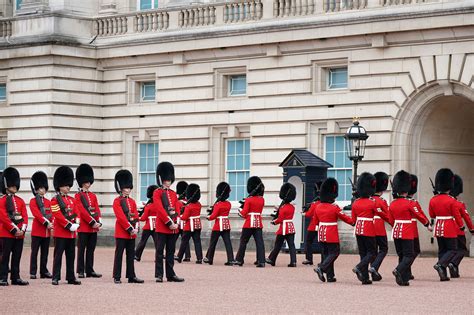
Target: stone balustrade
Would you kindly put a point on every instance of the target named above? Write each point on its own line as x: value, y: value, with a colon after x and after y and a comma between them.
x: 5, y: 28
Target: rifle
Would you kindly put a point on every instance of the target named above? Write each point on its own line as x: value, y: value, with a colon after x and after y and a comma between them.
x: 432, y: 221
x: 86, y: 206
x: 394, y: 194
x: 62, y: 207
x: 316, y: 198
x: 14, y: 216
x: 40, y: 203
x: 254, y: 191
x: 126, y: 211
x: 435, y: 192
x: 354, y: 189
x: 166, y: 205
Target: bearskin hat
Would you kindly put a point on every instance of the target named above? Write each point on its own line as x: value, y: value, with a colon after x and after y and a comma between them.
x: 164, y: 172
x: 366, y: 185
x: 84, y: 174
x: 287, y: 192
x: 222, y: 191
x: 181, y: 189
x: 444, y: 180
x: 123, y: 179
x: 457, y: 186
x: 382, y: 181
x: 150, y: 190
x: 39, y: 180
x: 401, y: 182
x: 193, y: 193
x: 413, y: 184
x: 11, y: 177
x: 329, y: 190
x: 255, y: 186
x: 63, y: 176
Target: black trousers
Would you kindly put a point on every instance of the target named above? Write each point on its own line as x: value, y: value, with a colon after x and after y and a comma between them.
x: 406, y: 255
x: 127, y: 245
x: 367, y: 252
x: 143, y: 240
x: 86, y: 245
x: 187, y: 252
x: 11, y: 247
x: 280, y: 239
x: 417, y: 250
x: 187, y: 235
x: 244, y: 239
x: 162, y: 241
x: 38, y: 243
x: 308, y: 244
x: 225, y: 234
x: 462, y: 250
x: 382, y: 250
x: 1, y: 249
x: 66, y: 246
x: 447, y: 248
x: 329, y: 255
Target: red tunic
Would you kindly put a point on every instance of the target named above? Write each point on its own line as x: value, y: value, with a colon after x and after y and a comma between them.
x: 192, y: 217
x: 363, y: 212
x: 252, y: 212
x: 88, y: 220
x: 402, y: 210
x: 446, y: 210
x: 61, y: 225
x: 220, y: 214
x: 180, y: 206
x: 414, y: 220
x: 326, y: 216
x: 7, y: 227
x: 285, y: 220
x: 149, y: 216
x: 465, y: 215
x: 310, y: 214
x: 163, y: 220
x: 123, y: 225
x: 40, y: 222
x: 378, y: 221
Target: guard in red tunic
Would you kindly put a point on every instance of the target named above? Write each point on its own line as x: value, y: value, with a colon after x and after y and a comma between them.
x: 326, y: 215
x: 379, y: 223
x: 402, y: 210
x: 65, y: 225
x: 192, y: 223
x: 363, y: 211
x: 416, y: 240
x: 165, y: 202
x: 126, y: 227
x: 253, y: 225
x: 13, y: 224
x: 446, y: 210
x: 219, y: 212
x: 149, y: 217
x: 90, y: 216
x: 42, y: 225
x: 286, y: 230
x: 181, y: 192
x: 462, y: 245
x: 311, y: 232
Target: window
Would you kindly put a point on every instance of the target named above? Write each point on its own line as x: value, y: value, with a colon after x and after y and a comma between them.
x: 336, y: 154
x: 237, y: 85
x: 147, y: 4
x: 3, y: 92
x: 147, y: 161
x: 18, y: 4
x: 337, y: 78
x: 147, y: 91
x: 3, y: 156
x: 237, y: 167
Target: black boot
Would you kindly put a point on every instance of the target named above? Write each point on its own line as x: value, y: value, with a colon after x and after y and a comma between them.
x: 453, y: 270
x: 375, y: 274
x: 320, y: 274
x: 443, y: 275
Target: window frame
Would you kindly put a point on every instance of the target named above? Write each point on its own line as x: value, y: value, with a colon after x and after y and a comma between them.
x: 139, y: 172
x: 226, y: 172
x: 320, y: 74
x: 230, y: 89
x: 329, y: 78
x: 334, y: 168
x: 142, y: 90
x: 6, y: 154
x: 154, y: 5
x: 222, y: 82
x: 3, y: 82
x: 134, y: 86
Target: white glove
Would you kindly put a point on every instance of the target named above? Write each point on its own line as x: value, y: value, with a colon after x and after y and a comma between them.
x: 74, y: 227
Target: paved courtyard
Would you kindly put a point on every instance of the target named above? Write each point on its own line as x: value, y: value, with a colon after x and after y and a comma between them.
x: 222, y: 289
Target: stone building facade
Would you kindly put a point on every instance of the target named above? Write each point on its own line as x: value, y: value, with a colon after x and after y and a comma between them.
x: 225, y: 90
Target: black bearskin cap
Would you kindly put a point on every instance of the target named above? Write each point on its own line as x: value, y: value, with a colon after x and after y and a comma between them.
x: 84, y: 174
x: 329, y: 190
x: 444, y: 180
x: 164, y: 171
x: 181, y: 188
x: 150, y: 190
x: 382, y: 181
x: 222, y: 191
x: 401, y: 182
x: 193, y: 193
x: 255, y: 186
x: 39, y: 180
x: 457, y: 186
x: 366, y: 185
x: 123, y: 179
x: 287, y: 192
x: 413, y: 184
x: 11, y: 177
x: 63, y: 176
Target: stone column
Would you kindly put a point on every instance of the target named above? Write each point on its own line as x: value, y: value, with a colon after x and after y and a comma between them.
x: 33, y: 7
